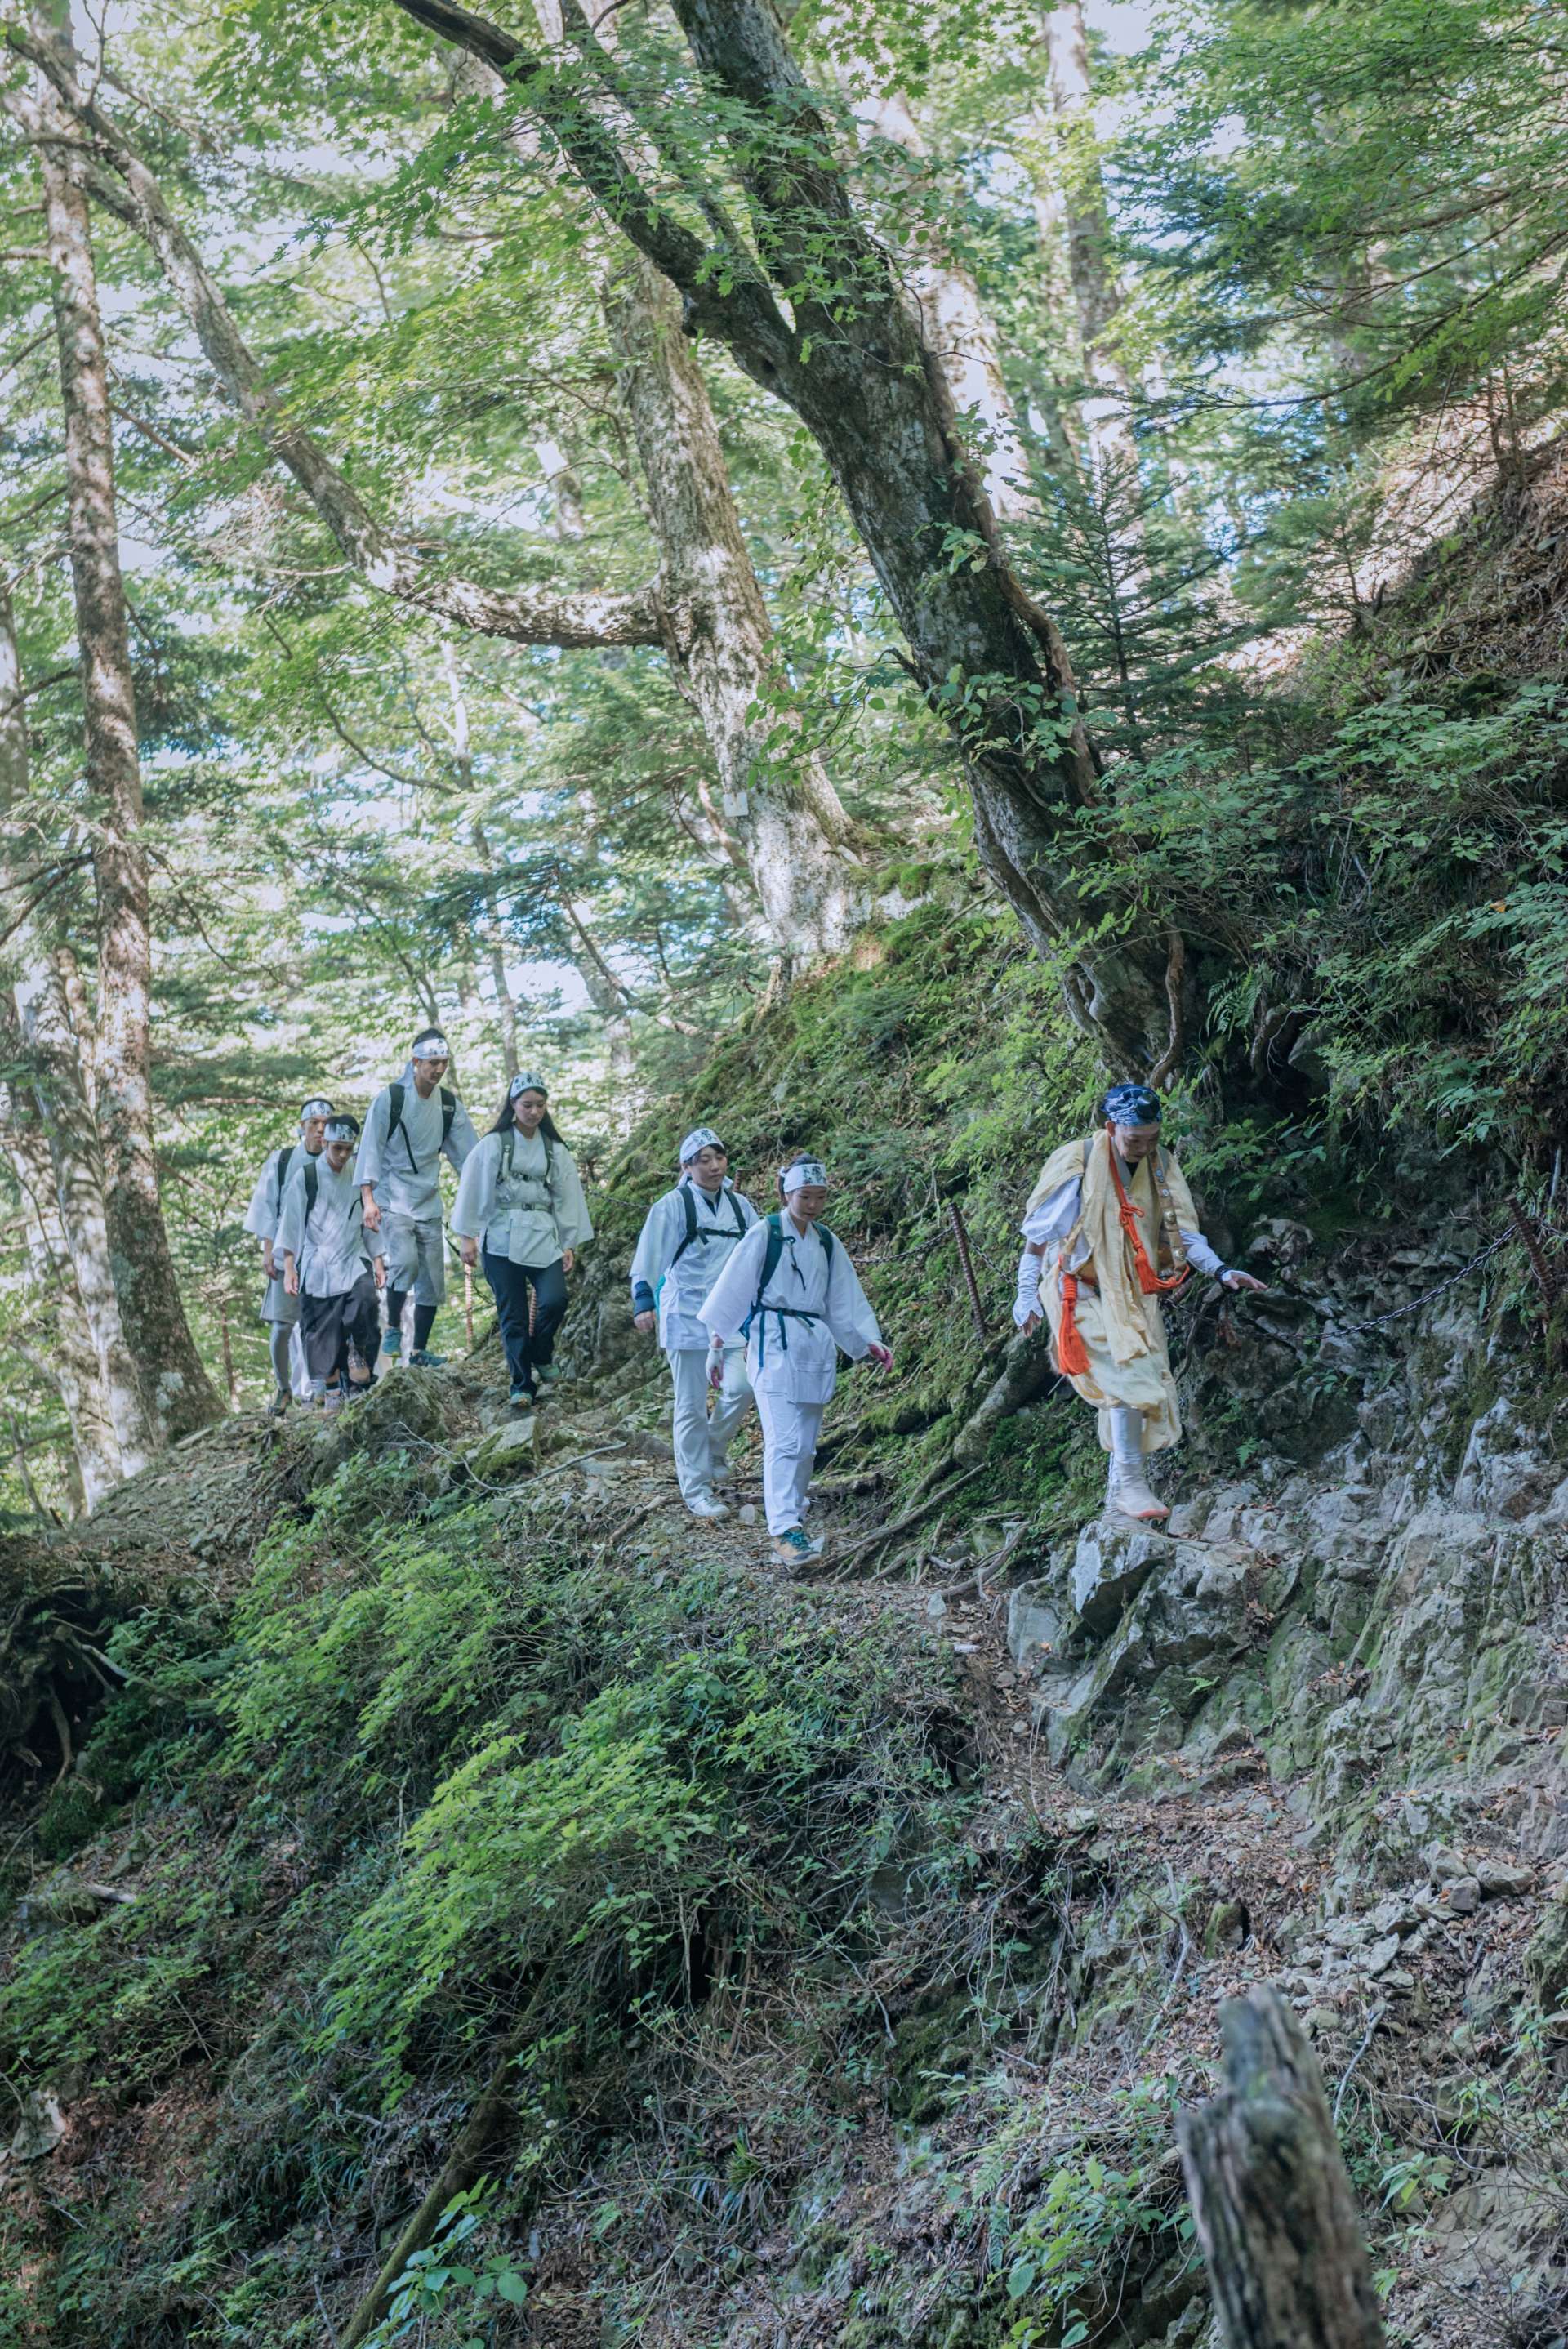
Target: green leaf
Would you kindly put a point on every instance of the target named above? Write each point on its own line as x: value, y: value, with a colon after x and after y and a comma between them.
x: 1020, y: 2279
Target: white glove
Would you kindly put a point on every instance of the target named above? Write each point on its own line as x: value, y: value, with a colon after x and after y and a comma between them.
x: 1026, y: 1304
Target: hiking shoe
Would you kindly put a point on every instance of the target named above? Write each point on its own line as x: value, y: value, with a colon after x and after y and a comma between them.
x: 796, y: 1548
x: 521, y: 1399
x: 704, y: 1505
x: 333, y: 1401
x: 419, y: 1359
x: 279, y: 1404
x: 546, y: 1372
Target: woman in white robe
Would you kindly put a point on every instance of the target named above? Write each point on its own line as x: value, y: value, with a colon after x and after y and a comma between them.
x: 794, y: 1317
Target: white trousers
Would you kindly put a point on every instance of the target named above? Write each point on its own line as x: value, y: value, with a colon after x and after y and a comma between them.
x: 700, y: 1442
x: 790, y: 1436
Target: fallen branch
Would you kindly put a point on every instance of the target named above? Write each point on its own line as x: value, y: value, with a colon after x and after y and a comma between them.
x: 902, y: 1525
x: 1271, y: 2199
x: 481, y: 2135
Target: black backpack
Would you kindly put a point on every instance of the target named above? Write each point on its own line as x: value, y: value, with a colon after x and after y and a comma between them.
x: 284, y: 1155
x: 706, y: 1231
x: 397, y: 1094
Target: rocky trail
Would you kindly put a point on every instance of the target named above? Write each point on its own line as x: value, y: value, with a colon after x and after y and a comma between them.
x: 1310, y: 1732
x: 1307, y: 1735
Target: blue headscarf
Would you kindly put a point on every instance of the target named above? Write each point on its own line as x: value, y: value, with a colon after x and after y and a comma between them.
x: 1132, y: 1106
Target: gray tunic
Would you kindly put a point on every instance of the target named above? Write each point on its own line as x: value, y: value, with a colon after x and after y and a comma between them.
x: 266, y: 1199
x: 405, y: 1172
x: 330, y: 1246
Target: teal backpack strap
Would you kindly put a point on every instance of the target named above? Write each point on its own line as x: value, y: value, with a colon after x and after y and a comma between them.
x: 770, y: 1254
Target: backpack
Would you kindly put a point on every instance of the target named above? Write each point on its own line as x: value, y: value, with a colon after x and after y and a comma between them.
x: 285, y: 1155
x: 775, y: 1249
x: 507, y: 1151
x: 708, y: 1231
x: 397, y: 1094
x: 312, y: 1186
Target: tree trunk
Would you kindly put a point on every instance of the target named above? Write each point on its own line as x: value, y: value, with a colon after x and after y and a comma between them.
x: 495, y: 951
x: 44, y: 1042
x: 175, y: 1387
x: 1273, y: 2205
x: 492, y: 936
x: 850, y: 360
x: 1097, y: 291
x: 782, y: 809
x: 953, y: 317
x: 70, y: 1358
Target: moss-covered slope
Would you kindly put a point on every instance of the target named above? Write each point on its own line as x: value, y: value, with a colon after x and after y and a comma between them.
x: 807, y: 1962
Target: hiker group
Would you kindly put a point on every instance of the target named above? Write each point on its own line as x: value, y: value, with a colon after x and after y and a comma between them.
x: 338, y: 1244
x: 747, y: 1307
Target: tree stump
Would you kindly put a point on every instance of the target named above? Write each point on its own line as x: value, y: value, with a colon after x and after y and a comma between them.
x: 1273, y: 2205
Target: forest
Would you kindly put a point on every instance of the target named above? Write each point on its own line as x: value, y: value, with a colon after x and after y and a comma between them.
x: 848, y: 578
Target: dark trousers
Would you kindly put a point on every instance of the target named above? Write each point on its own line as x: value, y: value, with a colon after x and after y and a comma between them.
x: 510, y: 1284
x: 329, y: 1325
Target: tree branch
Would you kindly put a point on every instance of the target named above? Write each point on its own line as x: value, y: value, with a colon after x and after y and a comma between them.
x: 720, y: 290
x: 119, y: 181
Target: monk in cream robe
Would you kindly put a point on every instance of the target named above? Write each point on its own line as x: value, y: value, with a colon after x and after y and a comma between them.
x: 1110, y: 1227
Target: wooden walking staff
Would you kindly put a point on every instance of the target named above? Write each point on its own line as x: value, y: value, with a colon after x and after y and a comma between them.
x: 1271, y: 2199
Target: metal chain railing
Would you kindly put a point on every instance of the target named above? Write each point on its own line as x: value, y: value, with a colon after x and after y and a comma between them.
x: 1379, y: 1320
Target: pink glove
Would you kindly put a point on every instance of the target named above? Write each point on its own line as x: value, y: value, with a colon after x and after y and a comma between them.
x: 881, y: 1355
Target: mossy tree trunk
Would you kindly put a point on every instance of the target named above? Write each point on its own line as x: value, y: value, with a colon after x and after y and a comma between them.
x: 52, y: 1134
x: 175, y: 1389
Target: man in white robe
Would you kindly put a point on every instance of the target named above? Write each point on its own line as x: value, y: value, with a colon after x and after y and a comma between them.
x: 410, y: 1126
x: 791, y: 1292
x: 686, y: 1243
x: 333, y: 1266
x: 1112, y: 1225
x: 278, y: 1309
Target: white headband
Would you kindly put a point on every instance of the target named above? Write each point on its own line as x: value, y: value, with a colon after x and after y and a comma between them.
x: 317, y: 1106
x: 525, y: 1082
x: 433, y: 1046
x: 701, y: 1137
x: 799, y: 1172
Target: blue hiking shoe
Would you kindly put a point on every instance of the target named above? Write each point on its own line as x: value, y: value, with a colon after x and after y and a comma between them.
x: 796, y: 1546
x: 420, y: 1359
x: 522, y: 1399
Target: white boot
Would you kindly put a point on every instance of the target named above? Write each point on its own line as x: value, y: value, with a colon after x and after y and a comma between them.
x: 703, y: 1505
x: 1128, y: 1495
